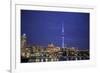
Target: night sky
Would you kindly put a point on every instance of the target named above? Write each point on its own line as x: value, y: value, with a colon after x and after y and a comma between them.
x: 45, y: 27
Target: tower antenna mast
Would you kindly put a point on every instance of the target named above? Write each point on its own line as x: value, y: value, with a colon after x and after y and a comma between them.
x: 63, y: 44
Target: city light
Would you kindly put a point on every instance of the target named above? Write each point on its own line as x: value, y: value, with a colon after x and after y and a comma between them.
x: 36, y: 53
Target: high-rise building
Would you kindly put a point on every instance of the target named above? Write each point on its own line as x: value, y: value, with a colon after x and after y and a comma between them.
x: 23, y: 41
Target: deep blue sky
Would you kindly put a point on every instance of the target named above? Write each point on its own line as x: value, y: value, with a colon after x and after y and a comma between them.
x: 44, y: 27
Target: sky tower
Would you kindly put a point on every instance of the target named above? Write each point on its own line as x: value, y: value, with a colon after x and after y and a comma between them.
x: 63, y: 44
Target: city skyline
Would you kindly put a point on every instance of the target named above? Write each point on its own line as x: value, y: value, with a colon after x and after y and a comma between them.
x: 60, y: 28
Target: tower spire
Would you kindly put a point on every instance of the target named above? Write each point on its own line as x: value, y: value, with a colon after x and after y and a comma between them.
x: 63, y: 36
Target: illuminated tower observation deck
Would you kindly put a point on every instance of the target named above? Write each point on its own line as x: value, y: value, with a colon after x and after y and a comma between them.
x: 63, y: 44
